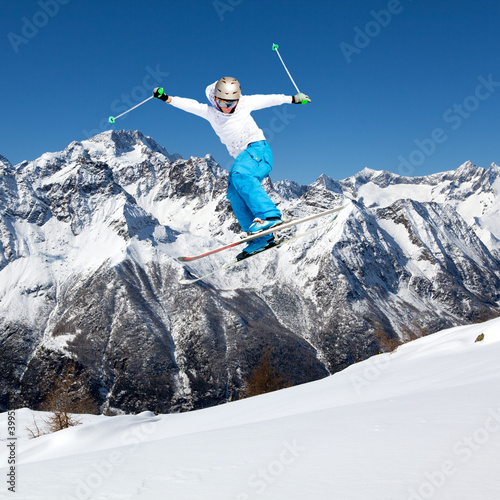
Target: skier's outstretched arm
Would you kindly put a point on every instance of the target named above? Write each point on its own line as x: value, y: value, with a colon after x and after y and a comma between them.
x: 261, y: 101
x: 188, y: 105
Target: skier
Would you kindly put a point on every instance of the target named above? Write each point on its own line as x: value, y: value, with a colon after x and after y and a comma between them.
x: 229, y: 115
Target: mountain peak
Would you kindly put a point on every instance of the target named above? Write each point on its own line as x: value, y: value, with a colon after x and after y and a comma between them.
x: 494, y: 168
x: 120, y: 142
x: 328, y: 183
x: 368, y: 172
x: 493, y: 173
x: 4, y: 163
x: 468, y: 167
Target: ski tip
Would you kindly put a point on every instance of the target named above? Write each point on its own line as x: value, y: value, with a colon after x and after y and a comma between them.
x: 190, y: 259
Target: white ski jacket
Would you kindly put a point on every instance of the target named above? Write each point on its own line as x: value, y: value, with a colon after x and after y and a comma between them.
x: 235, y: 130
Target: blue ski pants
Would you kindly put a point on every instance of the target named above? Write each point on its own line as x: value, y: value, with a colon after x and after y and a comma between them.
x: 245, y: 192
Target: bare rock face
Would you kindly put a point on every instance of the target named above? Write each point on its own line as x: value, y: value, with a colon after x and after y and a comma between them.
x: 88, y: 243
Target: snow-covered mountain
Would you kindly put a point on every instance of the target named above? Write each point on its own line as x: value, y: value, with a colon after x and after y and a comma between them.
x: 422, y: 422
x: 88, y: 243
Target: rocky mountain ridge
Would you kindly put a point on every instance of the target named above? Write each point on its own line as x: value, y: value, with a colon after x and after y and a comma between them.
x: 88, y: 243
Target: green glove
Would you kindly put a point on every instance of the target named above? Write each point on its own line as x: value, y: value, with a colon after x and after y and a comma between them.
x: 159, y: 93
x: 300, y: 98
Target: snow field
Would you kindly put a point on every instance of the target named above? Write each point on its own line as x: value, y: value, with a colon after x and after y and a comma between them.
x: 420, y: 423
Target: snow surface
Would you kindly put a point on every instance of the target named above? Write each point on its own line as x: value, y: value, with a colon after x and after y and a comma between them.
x: 420, y: 423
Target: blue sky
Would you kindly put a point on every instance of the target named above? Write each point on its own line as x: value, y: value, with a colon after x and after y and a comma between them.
x: 409, y: 86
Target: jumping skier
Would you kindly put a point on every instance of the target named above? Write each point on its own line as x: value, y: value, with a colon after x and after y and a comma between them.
x: 229, y: 115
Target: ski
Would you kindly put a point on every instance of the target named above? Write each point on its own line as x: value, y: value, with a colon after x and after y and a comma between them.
x: 275, y: 245
x: 274, y: 229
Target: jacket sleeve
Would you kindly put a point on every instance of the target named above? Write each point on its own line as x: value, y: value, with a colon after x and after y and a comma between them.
x: 260, y: 101
x: 190, y: 106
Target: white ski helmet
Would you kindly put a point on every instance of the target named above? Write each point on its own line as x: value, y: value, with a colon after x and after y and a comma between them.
x: 228, y: 88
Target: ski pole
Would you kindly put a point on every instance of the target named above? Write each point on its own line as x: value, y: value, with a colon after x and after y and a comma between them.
x: 113, y: 118
x: 275, y: 47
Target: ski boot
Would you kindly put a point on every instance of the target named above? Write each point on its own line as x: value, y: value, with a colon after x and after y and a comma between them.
x: 256, y: 246
x: 263, y: 224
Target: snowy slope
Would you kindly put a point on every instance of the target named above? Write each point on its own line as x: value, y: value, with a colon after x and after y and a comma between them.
x: 421, y: 422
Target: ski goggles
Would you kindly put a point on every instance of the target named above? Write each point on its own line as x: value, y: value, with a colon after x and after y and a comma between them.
x: 223, y: 103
